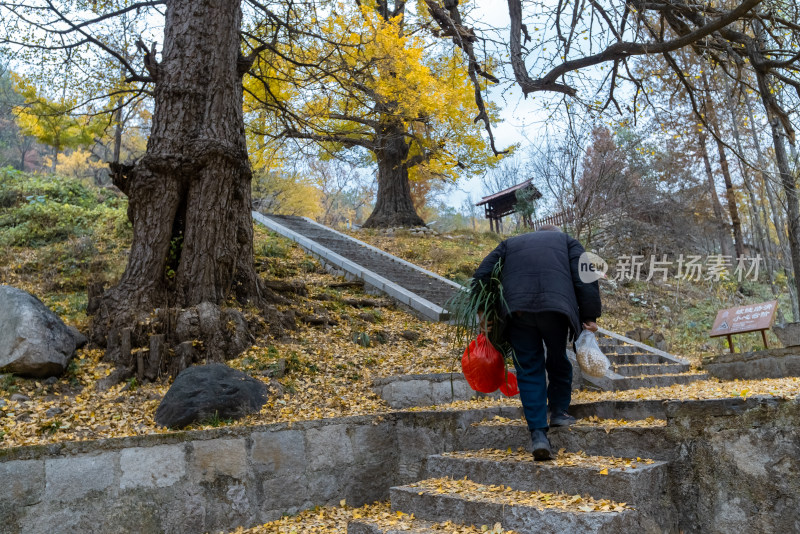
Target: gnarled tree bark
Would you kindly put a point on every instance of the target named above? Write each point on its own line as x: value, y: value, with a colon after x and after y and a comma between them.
x: 393, y: 205
x: 189, y: 196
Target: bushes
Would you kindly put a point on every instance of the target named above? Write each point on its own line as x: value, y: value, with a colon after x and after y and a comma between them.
x: 37, y: 210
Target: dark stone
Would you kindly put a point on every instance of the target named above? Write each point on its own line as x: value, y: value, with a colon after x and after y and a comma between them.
x: 207, y: 391
x: 50, y: 381
x: 410, y: 335
x: 54, y: 411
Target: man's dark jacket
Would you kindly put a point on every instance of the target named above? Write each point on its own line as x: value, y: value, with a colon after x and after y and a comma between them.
x: 540, y: 273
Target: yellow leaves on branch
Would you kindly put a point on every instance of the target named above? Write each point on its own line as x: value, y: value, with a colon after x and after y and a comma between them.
x: 363, y: 71
x: 51, y: 121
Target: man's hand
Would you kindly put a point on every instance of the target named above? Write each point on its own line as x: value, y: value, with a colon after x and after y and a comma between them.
x: 591, y: 326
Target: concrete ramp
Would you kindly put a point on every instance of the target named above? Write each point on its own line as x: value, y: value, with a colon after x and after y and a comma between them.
x: 424, y: 292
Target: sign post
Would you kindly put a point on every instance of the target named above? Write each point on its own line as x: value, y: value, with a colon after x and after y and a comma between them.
x: 741, y: 319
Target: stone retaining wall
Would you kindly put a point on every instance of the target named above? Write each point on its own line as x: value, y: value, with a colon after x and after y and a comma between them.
x: 738, y: 464
x: 219, y: 479
x: 734, y: 467
x: 768, y: 363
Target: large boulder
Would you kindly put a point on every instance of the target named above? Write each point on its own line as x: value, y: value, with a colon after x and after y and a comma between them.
x: 788, y: 334
x: 210, y: 391
x: 648, y: 337
x: 34, y: 341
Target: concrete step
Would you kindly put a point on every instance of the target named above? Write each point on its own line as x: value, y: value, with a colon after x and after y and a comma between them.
x: 619, y: 441
x: 407, y: 524
x: 619, y: 349
x: 654, y: 381
x: 638, y: 482
x: 634, y: 357
x: 639, y: 369
x: 524, y: 512
x: 406, y: 391
x: 366, y: 526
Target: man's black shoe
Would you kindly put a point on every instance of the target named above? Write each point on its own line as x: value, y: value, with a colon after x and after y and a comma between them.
x: 561, y: 418
x: 541, y: 446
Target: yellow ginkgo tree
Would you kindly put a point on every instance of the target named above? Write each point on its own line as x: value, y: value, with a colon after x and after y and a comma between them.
x: 51, y: 121
x: 363, y: 78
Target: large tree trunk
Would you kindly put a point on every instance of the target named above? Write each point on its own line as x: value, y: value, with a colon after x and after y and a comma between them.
x: 731, y: 196
x: 774, y: 207
x: 394, y: 205
x: 722, y: 226
x: 189, y: 196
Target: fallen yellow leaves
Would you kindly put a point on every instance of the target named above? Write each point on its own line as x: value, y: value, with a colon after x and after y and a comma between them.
x: 562, y: 459
x: 334, y: 519
x: 331, y: 375
x: 500, y: 494
x: 702, y: 389
x: 592, y: 421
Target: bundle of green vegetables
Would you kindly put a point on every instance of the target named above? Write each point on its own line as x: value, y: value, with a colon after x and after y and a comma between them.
x: 480, y: 301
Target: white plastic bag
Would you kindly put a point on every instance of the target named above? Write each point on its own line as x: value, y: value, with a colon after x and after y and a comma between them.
x: 591, y: 359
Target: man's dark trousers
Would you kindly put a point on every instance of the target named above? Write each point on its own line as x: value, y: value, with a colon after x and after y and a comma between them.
x: 529, y: 333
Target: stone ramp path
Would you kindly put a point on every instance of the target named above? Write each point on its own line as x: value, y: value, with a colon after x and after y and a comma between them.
x: 611, y: 480
x: 421, y: 290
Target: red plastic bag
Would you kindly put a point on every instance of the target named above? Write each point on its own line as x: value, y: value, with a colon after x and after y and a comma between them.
x: 485, y: 369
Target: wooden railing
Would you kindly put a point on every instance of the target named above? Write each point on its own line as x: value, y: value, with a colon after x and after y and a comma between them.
x: 557, y: 219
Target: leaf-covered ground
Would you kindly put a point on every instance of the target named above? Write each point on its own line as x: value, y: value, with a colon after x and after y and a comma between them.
x: 55, y: 243
x: 329, y: 367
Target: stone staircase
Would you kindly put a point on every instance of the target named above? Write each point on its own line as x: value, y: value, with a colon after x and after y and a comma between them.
x: 605, y: 479
x: 635, y: 365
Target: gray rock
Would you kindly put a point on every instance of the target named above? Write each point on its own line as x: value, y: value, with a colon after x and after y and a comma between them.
x: 410, y: 335
x: 19, y: 397
x: 34, y: 341
x: 788, y: 334
x: 54, y: 411
x: 207, y: 391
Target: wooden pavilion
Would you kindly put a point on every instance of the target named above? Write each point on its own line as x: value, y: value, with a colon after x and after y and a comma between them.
x: 504, y: 203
